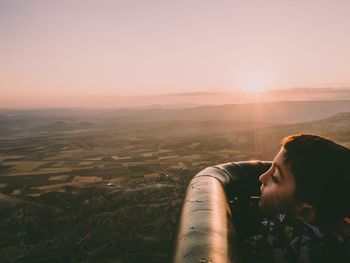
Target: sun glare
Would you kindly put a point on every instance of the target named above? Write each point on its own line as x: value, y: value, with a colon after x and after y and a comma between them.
x: 255, y: 83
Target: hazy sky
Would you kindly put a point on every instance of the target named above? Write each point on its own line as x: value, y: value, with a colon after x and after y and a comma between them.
x: 154, y: 47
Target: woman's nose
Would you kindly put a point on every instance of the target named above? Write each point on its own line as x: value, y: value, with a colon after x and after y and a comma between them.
x: 262, y: 178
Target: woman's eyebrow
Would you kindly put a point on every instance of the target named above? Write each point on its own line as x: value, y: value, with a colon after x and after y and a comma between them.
x: 279, y: 170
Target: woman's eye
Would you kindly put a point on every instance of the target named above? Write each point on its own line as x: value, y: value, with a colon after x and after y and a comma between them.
x: 274, y: 178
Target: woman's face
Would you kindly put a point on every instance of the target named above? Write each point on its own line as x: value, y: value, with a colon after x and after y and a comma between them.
x: 277, y: 189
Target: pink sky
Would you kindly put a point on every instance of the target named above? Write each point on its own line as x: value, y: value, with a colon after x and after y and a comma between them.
x: 55, y: 52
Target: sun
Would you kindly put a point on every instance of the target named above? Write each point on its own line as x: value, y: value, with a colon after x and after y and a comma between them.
x: 255, y: 83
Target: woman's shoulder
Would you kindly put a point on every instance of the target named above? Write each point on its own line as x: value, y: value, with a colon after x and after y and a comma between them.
x: 286, y: 239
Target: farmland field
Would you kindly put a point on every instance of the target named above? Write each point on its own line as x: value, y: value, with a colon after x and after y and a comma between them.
x: 100, y: 189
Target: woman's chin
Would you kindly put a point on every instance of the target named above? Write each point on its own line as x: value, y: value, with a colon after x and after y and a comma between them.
x: 261, y: 205
x: 265, y: 210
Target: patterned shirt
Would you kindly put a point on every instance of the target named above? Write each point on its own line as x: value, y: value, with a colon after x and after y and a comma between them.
x: 286, y: 240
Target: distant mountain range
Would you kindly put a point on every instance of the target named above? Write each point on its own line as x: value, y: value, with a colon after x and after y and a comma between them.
x: 172, y: 100
x: 270, y: 112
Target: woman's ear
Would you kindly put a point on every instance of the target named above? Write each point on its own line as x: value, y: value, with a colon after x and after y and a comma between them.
x: 306, y: 213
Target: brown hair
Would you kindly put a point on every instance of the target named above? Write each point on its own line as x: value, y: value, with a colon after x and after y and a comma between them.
x: 321, y: 169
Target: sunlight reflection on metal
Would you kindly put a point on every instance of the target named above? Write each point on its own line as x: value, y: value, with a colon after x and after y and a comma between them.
x: 219, y: 223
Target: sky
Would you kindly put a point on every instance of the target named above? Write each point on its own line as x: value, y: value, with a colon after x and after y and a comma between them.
x: 61, y: 51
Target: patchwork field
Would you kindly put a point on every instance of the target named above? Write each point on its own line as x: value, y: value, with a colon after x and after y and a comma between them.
x: 97, y: 189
